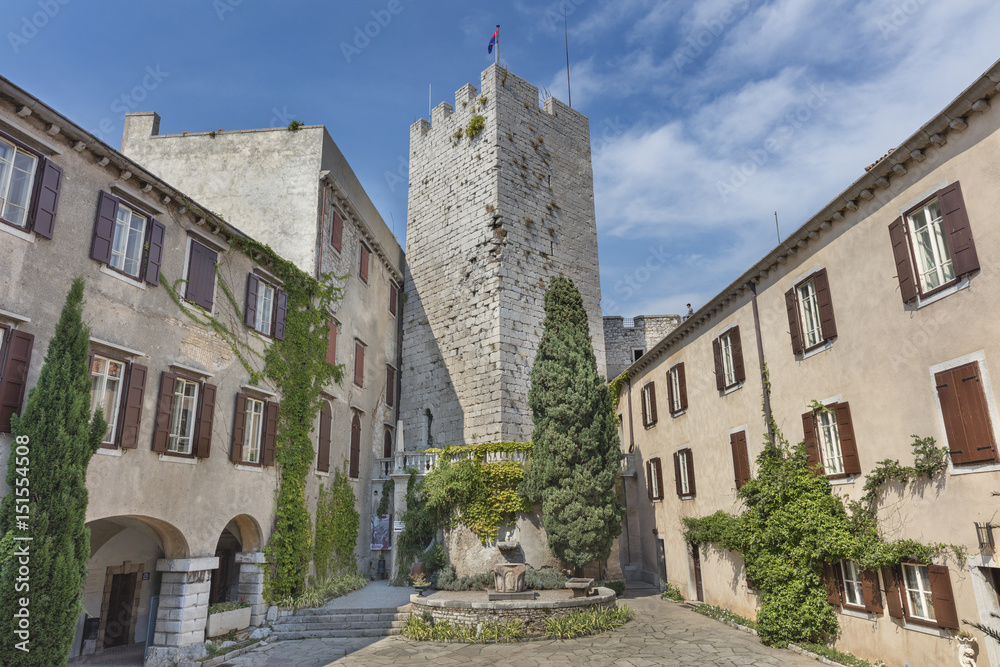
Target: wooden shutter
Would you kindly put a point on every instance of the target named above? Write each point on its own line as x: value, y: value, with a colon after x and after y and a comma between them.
x: 393, y: 297
x: 359, y: 364
x: 682, y: 384
x: 966, y: 414
x: 132, y: 412
x: 738, y: 370
x: 677, y: 474
x: 390, y: 386
x: 652, y: 403
x: 848, y: 445
x: 893, y: 600
x: 15, y: 376
x: 649, y: 479
x: 104, y: 227
x: 658, y: 471
x: 956, y: 228
x: 809, y: 433
x: 337, y: 232
x: 355, y: 447
x: 901, y: 257
x: 331, y: 343
x: 164, y: 411
x: 325, y: 437
x: 206, y: 420
x: 642, y: 401
x: 154, y: 255
x: 720, y: 379
x: 871, y: 592
x: 832, y: 583
x: 239, y: 429
x: 387, y: 445
x: 280, y: 313
x: 47, y: 199
x: 944, y: 599
x: 794, y: 328
x: 363, y: 272
x: 741, y: 457
x: 201, y: 276
x: 828, y: 323
x: 670, y: 393
x: 253, y: 291
x: 690, y: 467
x: 270, y: 433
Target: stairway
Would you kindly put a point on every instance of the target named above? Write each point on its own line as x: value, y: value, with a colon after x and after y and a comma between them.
x: 323, y: 622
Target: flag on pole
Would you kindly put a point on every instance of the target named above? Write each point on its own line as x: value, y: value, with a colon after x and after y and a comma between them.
x: 493, y: 40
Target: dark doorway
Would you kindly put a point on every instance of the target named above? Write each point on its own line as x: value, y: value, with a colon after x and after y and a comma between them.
x: 696, y: 557
x: 225, y: 578
x: 119, y: 619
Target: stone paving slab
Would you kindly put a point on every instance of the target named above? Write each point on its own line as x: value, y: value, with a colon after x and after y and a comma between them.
x: 662, y: 634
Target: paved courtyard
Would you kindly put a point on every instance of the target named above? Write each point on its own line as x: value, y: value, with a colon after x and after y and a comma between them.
x: 663, y: 633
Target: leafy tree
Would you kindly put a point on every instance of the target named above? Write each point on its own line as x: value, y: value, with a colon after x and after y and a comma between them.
x: 61, y: 436
x: 577, y: 456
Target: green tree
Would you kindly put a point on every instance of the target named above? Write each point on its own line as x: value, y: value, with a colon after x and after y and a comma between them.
x: 60, y: 436
x: 577, y: 456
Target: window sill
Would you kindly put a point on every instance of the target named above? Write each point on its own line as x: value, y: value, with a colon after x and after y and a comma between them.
x: 729, y: 390
x: 842, y: 481
x: 122, y: 277
x: 687, y: 498
x: 14, y: 317
x: 946, y: 292
x: 320, y: 473
x: 104, y: 451
x: 816, y: 350
x: 677, y: 414
x: 649, y: 426
x: 928, y: 629
x: 858, y: 613
x: 249, y: 467
x: 973, y: 468
x: 16, y: 231
x: 179, y: 458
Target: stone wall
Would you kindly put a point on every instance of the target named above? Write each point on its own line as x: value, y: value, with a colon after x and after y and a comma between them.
x: 645, y: 332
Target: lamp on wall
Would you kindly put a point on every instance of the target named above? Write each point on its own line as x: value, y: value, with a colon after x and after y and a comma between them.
x: 984, y: 533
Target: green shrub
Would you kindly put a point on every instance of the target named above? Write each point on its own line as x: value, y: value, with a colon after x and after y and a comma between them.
x: 475, y: 582
x: 322, y: 591
x: 424, y: 629
x: 589, y: 622
x: 617, y: 586
x: 839, y: 657
x: 476, y: 125
x: 721, y: 614
x: 671, y: 592
x: 544, y: 579
x: 221, y: 607
x: 434, y: 558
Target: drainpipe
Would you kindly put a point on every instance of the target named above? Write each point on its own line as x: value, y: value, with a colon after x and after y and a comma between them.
x: 760, y: 361
x: 631, y: 438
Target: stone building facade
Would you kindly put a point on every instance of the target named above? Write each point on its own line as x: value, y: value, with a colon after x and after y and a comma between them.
x: 627, y: 338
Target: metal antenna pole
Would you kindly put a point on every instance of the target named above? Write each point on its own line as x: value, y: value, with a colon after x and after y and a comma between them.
x: 776, y: 226
x: 569, y: 89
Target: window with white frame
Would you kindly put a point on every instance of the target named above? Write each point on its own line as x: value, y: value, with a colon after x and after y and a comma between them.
x: 637, y: 352
x: 829, y: 442
x: 812, y: 329
x: 853, y: 590
x: 930, y: 246
x: 265, y: 308
x: 127, y: 243
x: 654, y: 479
x: 182, y: 421
x: 675, y: 390
x: 253, y: 429
x: 728, y: 364
x: 683, y: 455
x: 17, y: 176
x: 107, y: 376
x: 920, y: 601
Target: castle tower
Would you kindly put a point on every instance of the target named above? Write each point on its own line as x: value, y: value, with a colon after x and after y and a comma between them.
x: 492, y: 217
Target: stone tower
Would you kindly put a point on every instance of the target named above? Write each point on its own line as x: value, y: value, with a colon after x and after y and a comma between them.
x: 492, y: 217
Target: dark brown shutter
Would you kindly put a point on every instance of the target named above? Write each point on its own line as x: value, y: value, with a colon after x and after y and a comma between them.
x: 154, y: 255
x: 387, y: 445
x: 104, y: 227
x: 848, y: 445
x: 337, y: 232
x: 828, y: 324
x: 670, y: 393
x: 132, y: 412
x: 15, y: 376
x: 325, y: 436
x: 253, y: 290
x: 393, y: 297
x: 47, y: 199
x: 390, y: 385
x: 956, y: 228
x: 682, y: 384
x: 951, y: 410
x: 738, y: 371
x: 206, y: 419
x: 164, y: 411
x: 658, y: 471
x: 809, y: 433
x: 364, y: 264
x: 280, y: 313
x: 891, y: 578
x: 720, y: 379
x: 677, y: 474
x: 966, y: 414
x: 794, y: 328
x: 901, y: 257
x: 270, y: 433
x: 649, y: 479
x: 201, y: 276
x: 239, y: 429
x: 331, y: 343
x: 642, y: 401
x: 832, y: 584
x: 652, y: 403
x: 690, y: 466
x: 359, y: 364
x: 741, y: 457
x: 870, y: 589
x: 354, y: 469
x: 944, y: 599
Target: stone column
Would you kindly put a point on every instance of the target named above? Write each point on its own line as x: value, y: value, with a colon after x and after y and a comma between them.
x: 251, y: 584
x: 400, y: 480
x: 183, y: 610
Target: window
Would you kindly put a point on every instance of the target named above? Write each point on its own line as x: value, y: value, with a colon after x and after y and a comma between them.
x: 741, y: 457
x: 255, y: 426
x: 126, y: 246
x: 201, y: 275
x: 390, y: 386
x: 922, y: 594
x: 932, y: 244
x: 17, y: 177
x: 331, y: 342
x: 185, y: 414
x: 363, y: 264
x: 853, y: 589
x: 15, y: 354
x: 967, y: 422
x: 359, y: 363
x: 810, y: 313
x: 107, y: 379
x: 267, y: 307
x: 847, y: 585
x: 919, y: 599
x: 325, y: 438
x: 728, y: 352
x: 654, y: 479
x: 684, y: 473
x: 636, y: 353
x: 677, y: 390
x: 252, y: 430
x: 355, y: 461
x: 648, y: 405
x: 183, y: 417
x: 829, y: 438
x: 337, y: 232
x: 128, y: 241
x: 393, y: 298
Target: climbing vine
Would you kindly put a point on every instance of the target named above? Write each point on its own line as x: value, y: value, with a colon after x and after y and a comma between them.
x: 615, y: 387
x: 337, y: 523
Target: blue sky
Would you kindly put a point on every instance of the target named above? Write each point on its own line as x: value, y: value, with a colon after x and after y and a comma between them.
x: 680, y: 95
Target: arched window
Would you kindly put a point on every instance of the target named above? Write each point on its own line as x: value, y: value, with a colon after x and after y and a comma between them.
x: 387, y: 445
x: 355, y: 447
x: 429, y: 420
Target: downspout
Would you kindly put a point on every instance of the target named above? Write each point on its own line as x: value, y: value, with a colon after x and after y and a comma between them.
x: 322, y: 218
x: 760, y: 360
x: 631, y: 438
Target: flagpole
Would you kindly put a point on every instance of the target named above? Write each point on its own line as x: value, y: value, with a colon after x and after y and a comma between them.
x: 498, y: 44
x: 569, y: 89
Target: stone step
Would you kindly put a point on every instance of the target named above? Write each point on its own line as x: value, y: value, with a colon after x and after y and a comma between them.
x: 320, y: 611
x: 322, y: 634
x: 340, y: 619
x: 328, y: 625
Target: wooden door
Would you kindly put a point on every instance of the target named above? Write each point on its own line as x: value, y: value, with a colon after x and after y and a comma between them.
x: 119, y: 615
x: 696, y: 556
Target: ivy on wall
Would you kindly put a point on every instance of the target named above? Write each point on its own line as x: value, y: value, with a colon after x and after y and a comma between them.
x: 337, y: 523
x: 615, y: 387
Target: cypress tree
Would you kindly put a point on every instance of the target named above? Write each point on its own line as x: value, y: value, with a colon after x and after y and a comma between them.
x: 61, y: 436
x: 576, y: 457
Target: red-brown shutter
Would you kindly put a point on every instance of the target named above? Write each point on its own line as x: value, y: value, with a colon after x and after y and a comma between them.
x: 901, y: 257
x: 831, y: 582
x: 966, y: 414
x: 809, y: 433
x: 951, y: 410
x: 363, y: 272
x: 848, y: 445
x: 741, y: 457
x: 642, y: 401
x: 871, y: 592
x: 891, y: 578
x: 164, y: 411
x: 390, y: 385
x: 690, y: 466
x: 253, y: 291
x: 359, y: 364
x: 649, y: 479
x: 104, y: 227
x: 956, y: 228
x: 652, y: 403
x: 944, y: 599
x: 132, y: 412
x: 154, y: 253
x: 331, y: 343
x: 270, y: 433
x: 682, y: 385
x: 658, y: 471
x: 15, y: 376
x: 354, y: 468
x: 206, y: 420
x: 201, y: 276
x: 720, y: 379
x: 337, y: 232
x: 47, y: 199
x: 677, y: 474
x: 739, y: 372
x: 393, y: 297
x: 280, y: 313
x: 325, y: 436
x: 794, y: 328
x: 828, y: 324
x: 239, y: 429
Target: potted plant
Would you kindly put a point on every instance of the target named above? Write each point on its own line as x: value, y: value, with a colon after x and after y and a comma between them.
x: 421, y: 584
x: 226, y: 616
